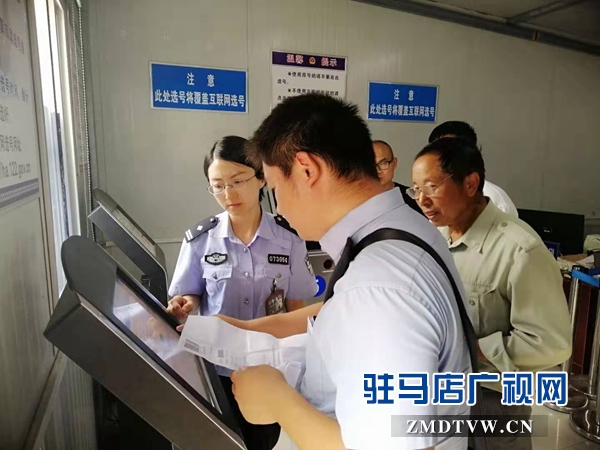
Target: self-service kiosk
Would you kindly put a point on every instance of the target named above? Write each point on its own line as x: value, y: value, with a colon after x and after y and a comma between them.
x: 320, y: 261
x: 134, y: 242
x: 117, y: 332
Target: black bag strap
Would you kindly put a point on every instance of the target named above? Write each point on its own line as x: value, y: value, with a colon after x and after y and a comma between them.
x: 351, y: 251
x: 385, y: 234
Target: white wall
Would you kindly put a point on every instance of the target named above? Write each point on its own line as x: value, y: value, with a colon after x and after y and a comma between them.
x: 27, y: 294
x: 25, y: 355
x: 533, y: 106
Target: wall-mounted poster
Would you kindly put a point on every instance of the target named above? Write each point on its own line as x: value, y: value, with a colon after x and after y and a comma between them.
x: 295, y: 74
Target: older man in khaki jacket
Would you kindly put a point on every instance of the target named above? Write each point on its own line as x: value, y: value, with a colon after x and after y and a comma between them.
x: 514, y: 287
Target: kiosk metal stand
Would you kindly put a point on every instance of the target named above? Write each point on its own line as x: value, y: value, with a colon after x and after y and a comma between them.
x: 586, y: 421
x: 576, y: 399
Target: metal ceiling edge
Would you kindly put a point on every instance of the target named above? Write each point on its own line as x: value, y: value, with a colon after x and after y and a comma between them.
x: 476, y: 21
x: 560, y: 34
x: 559, y: 41
x: 543, y: 10
x: 449, y: 15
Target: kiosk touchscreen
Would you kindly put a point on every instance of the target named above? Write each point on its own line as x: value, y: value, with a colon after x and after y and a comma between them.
x: 120, y: 228
x: 111, y: 326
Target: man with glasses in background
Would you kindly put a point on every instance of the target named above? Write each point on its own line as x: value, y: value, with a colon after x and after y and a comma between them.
x: 514, y: 287
x: 496, y: 194
x: 386, y: 166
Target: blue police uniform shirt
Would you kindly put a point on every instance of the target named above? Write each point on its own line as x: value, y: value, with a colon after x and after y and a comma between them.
x: 234, y: 279
x: 392, y: 312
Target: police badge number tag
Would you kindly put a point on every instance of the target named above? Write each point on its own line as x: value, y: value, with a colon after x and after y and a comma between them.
x: 279, y: 259
x: 275, y: 302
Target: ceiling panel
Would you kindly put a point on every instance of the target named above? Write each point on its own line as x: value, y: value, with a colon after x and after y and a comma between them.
x: 576, y: 26
x: 582, y: 20
x: 499, y: 8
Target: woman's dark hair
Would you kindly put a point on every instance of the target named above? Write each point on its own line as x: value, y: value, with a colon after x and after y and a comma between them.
x: 232, y: 149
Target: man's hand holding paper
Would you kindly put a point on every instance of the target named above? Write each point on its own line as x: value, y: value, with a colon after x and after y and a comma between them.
x: 228, y: 346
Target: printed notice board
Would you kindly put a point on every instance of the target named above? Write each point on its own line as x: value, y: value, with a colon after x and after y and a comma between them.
x: 198, y: 88
x: 295, y: 74
x: 402, y: 102
x: 19, y: 167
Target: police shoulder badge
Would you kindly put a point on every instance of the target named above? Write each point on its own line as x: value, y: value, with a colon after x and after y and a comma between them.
x: 200, y: 228
x: 309, y: 266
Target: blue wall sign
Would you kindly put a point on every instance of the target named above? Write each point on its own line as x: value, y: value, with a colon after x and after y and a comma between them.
x: 404, y: 102
x: 184, y: 87
x: 322, y: 284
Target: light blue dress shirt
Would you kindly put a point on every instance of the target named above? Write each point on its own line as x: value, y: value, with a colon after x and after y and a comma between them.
x: 392, y: 312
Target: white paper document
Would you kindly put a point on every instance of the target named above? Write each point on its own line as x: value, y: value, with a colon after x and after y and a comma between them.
x: 233, y: 348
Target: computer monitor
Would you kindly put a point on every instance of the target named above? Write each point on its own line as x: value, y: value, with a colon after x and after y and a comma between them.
x: 115, y: 330
x: 566, y: 230
x: 133, y: 241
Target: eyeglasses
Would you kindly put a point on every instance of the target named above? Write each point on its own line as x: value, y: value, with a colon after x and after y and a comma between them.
x: 427, y: 190
x: 384, y: 165
x: 216, y: 189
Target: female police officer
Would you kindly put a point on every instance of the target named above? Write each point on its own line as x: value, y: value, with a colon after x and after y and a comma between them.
x: 242, y: 263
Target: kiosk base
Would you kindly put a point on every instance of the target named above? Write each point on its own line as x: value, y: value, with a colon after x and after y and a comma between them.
x: 119, y: 428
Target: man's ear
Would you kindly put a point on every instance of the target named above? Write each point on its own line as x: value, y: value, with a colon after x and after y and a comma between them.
x: 309, y: 166
x: 471, y: 183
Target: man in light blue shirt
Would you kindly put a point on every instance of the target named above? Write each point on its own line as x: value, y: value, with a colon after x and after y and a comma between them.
x: 392, y: 312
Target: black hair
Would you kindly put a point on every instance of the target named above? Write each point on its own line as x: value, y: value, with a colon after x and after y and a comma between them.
x: 458, y: 157
x: 456, y: 129
x: 380, y: 142
x: 319, y: 125
x: 232, y: 149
